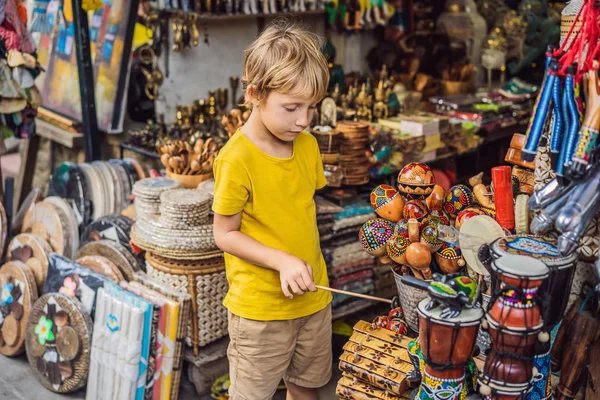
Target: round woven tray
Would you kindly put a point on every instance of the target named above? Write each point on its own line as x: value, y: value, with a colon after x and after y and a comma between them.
x: 58, y: 329
x: 176, y: 254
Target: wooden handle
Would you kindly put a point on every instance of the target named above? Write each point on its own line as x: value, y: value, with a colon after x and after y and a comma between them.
x: 363, y: 296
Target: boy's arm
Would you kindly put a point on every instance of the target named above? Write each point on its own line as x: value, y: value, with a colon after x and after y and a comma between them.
x: 294, y: 273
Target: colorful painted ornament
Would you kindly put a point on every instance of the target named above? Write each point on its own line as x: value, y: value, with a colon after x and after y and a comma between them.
x: 441, y: 215
x: 373, y: 236
x: 429, y: 237
x: 398, y: 326
x: 396, y: 249
x: 435, y: 201
x: 416, y: 181
x: 396, y: 313
x: 458, y: 199
x: 381, y: 321
x: 467, y: 214
x: 449, y: 258
x: 387, y: 203
x: 401, y: 228
x: 417, y: 210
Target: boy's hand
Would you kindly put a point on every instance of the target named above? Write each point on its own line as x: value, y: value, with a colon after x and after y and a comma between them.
x: 295, y: 274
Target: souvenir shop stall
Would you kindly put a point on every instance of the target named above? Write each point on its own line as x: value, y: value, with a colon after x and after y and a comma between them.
x: 462, y: 195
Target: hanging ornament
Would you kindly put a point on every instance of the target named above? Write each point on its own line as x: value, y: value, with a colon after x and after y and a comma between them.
x: 40, y: 17
x: 91, y: 5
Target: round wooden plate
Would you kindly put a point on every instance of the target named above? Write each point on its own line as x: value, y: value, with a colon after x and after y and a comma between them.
x: 66, y: 208
x: 44, y: 220
x: 33, y: 251
x: 69, y: 182
x: 33, y: 197
x: 118, y: 189
x: 115, y: 252
x: 132, y: 175
x: 139, y: 168
x: 96, y: 190
x: 102, y: 265
x: 123, y: 182
x: 3, y: 229
x: 18, y: 292
x: 58, y: 342
x: 109, y: 186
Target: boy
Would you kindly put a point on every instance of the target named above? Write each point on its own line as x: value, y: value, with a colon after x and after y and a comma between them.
x: 265, y: 222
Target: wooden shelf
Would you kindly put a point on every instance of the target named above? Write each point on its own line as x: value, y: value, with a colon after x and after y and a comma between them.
x: 235, y: 17
x: 59, y: 135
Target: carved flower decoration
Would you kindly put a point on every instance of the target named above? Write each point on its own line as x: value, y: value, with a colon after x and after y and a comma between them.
x: 69, y: 287
x: 43, y: 330
x: 22, y: 253
x: 6, y: 295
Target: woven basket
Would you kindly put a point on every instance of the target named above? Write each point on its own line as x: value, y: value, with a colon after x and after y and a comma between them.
x: 205, y: 282
x: 484, y: 339
x: 409, y: 300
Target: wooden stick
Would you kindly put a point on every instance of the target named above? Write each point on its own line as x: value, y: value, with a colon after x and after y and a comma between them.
x: 363, y: 296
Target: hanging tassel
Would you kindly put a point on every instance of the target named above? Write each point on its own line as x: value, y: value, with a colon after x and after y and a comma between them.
x: 40, y: 18
x: 539, y: 114
x: 91, y: 5
x: 571, y: 136
x: 22, y: 10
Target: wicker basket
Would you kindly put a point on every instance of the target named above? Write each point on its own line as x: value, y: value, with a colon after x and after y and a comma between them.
x: 206, y: 283
x: 409, y: 300
x: 484, y: 340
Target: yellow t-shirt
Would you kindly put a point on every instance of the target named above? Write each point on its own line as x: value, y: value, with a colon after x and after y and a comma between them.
x: 276, y: 198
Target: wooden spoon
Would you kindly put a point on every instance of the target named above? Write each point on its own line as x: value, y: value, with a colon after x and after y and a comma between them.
x: 184, y: 161
x: 194, y: 167
x: 164, y: 159
x: 174, y: 162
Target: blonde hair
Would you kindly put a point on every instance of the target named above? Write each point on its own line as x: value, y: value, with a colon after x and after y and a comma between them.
x: 286, y: 57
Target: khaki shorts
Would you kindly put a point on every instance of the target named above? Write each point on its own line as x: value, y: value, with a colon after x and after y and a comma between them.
x: 262, y: 352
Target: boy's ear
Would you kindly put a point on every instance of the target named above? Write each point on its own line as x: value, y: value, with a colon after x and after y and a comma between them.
x: 252, y: 95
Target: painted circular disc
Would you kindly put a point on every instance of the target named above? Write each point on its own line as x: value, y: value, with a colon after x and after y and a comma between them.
x: 3, y: 229
x: 46, y: 221
x: 114, y: 252
x: 102, y: 265
x: 61, y: 332
x: 96, y: 190
x: 18, y: 292
x: 33, y: 197
x: 66, y: 208
x: 33, y: 251
x: 108, y: 186
x: 69, y: 182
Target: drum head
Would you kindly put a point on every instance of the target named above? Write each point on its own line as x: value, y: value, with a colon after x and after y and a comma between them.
x: 467, y: 317
x: 520, y: 267
x: 541, y: 248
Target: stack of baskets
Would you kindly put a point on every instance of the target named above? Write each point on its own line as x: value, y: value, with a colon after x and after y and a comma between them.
x: 181, y: 252
x: 353, y: 157
x: 329, y: 141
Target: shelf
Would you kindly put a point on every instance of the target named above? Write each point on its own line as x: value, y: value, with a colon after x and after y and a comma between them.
x: 235, y: 17
x: 138, y: 150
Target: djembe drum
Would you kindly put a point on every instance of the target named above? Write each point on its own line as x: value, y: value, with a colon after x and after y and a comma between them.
x: 514, y: 321
x: 447, y: 346
x: 554, y: 293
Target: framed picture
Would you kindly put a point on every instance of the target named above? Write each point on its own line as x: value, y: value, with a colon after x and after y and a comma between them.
x: 111, y: 35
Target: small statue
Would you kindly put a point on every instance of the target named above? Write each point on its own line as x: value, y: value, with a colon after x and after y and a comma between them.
x: 380, y: 109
